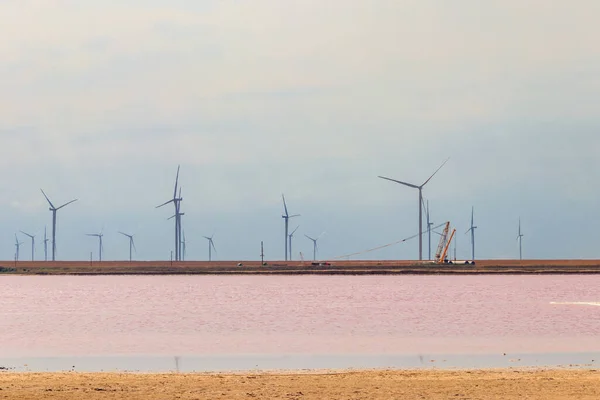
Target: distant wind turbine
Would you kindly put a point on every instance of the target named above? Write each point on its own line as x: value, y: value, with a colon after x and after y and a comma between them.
x: 18, y: 246
x: 290, y: 239
x: 211, y: 246
x: 472, y: 230
x: 54, y: 210
x: 178, y: 214
x: 131, y: 244
x: 520, y: 239
x: 315, y: 247
x: 420, y: 188
x: 286, y: 217
x: 429, y: 225
x: 45, y: 245
x: 177, y: 203
x: 183, y: 249
x: 100, y: 247
x: 32, y: 237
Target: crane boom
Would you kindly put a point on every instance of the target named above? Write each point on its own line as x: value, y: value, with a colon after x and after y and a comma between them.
x: 442, y: 242
x: 443, y: 256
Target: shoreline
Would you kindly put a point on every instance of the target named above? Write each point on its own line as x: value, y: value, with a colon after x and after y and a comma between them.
x: 550, y: 384
x: 368, y: 267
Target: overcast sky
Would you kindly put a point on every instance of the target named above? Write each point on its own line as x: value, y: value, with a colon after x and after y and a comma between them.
x: 101, y: 100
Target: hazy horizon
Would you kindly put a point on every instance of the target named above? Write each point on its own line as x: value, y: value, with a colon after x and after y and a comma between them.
x: 102, y: 101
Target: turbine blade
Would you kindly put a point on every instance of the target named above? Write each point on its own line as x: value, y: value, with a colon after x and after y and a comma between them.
x: 133, y: 243
x: 310, y: 238
x: 400, y: 182
x: 49, y: 202
x: 321, y: 235
x: 66, y: 204
x: 436, y: 171
x: 285, y: 206
x: 213, y: 246
x: 165, y: 203
x: 295, y: 215
x: 176, y: 182
x: 294, y: 231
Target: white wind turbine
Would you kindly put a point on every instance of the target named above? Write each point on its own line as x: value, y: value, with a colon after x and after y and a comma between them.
x: 420, y: 188
x: 315, y: 247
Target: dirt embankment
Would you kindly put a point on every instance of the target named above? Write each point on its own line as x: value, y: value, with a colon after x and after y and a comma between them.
x: 367, y: 267
x: 375, y: 385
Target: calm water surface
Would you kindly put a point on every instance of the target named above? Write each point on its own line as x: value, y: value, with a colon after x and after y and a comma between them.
x: 273, y: 315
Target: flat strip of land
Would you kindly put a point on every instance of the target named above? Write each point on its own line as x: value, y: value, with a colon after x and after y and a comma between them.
x: 337, y: 267
x: 428, y: 384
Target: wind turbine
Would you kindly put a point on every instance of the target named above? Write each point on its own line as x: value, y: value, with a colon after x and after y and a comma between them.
x: 18, y: 246
x: 54, y: 210
x: 420, y: 188
x: 177, y: 203
x: 45, y: 245
x: 178, y: 214
x: 32, y: 237
x: 286, y: 217
x: 183, y: 252
x: 429, y: 225
x: 520, y: 239
x: 472, y: 230
x: 290, y: 237
x: 314, y: 240
x: 100, y: 247
x: 211, y: 245
x: 131, y: 244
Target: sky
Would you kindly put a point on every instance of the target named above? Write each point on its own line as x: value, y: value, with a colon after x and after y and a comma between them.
x: 101, y: 101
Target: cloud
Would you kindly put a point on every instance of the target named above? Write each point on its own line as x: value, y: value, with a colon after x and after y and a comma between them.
x: 254, y: 98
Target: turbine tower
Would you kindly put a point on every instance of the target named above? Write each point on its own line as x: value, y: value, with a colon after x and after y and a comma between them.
x: 315, y: 247
x: 420, y: 188
x: 286, y: 217
x: 131, y: 244
x: 177, y: 203
x: 18, y: 246
x: 45, y: 245
x: 290, y: 238
x: 472, y: 230
x: 54, y: 210
x: 100, y: 247
x: 211, y: 246
x: 520, y: 239
x: 32, y: 237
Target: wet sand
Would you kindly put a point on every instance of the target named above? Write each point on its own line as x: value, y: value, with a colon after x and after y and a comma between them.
x: 338, y: 267
x: 430, y: 384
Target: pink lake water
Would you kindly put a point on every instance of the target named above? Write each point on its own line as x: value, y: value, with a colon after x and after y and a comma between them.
x: 234, y: 315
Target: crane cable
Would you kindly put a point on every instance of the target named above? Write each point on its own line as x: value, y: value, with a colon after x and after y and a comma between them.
x: 385, y: 245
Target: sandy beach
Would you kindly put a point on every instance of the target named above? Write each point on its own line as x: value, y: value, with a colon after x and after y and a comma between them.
x: 430, y: 384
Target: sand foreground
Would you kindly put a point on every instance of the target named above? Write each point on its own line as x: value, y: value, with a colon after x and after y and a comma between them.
x: 431, y: 384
